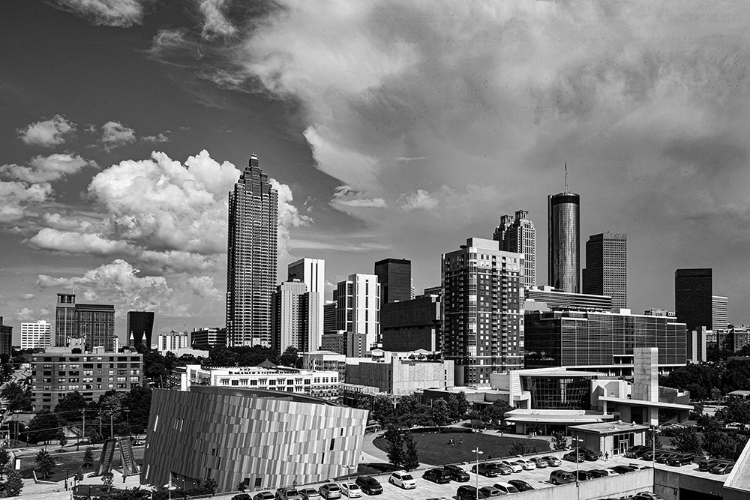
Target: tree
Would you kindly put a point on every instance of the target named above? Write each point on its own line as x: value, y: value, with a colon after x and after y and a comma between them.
x: 107, y: 480
x: 4, y: 459
x: 69, y: 408
x: 463, y: 404
x: 43, y: 427
x: 395, y: 446
x: 498, y: 410
x: 518, y: 447
x: 14, y: 484
x: 650, y: 435
x: 289, y: 358
x: 88, y: 457
x: 440, y: 412
x: 382, y: 410
x: 411, y: 457
x: 45, y: 464
x: 18, y: 396
x: 687, y: 441
x: 62, y: 439
x: 559, y: 441
x: 453, y: 410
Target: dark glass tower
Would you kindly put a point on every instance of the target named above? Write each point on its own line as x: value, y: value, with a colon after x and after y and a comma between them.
x: 394, y: 276
x: 563, y: 241
x: 693, y: 297
x: 251, y: 258
x: 140, y: 328
x: 606, y: 270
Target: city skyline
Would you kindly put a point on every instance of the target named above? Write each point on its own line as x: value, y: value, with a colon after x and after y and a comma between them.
x: 394, y: 149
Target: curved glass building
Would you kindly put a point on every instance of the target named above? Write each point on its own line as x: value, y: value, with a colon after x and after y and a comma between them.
x: 563, y: 245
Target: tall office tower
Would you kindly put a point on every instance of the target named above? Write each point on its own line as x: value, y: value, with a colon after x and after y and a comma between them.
x: 518, y: 235
x: 65, y: 319
x: 295, y: 318
x: 251, y: 258
x: 606, y: 270
x: 394, y: 276
x: 36, y: 335
x: 358, y: 307
x: 96, y: 324
x: 692, y: 297
x: 719, y: 312
x: 140, y: 328
x: 329, y: 316
x: 6, y: 338
x: 563, y: 240
x: 482, y: 310
x: 312, y: 272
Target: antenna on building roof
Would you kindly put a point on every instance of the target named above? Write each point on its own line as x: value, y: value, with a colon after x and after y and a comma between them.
x: 566, y: 176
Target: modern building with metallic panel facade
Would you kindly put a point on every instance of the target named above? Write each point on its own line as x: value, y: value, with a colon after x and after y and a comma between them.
x: 394, y: 276
x: 601, y: 341
x: 251, y: 257
x: 264, y: 439
x: 563, y: 241
x: 693, y: 297
x: 482, y: 310
x: 518, y: 235
x: 606, y: 270
x: 556, y: 299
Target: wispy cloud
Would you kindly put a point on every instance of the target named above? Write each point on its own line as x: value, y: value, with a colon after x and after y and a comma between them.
x: 115, y: 135
x: 116, y: 13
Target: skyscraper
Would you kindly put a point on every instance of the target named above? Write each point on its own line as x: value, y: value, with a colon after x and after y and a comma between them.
x: 394, y: 276
x: 295, y: 318
x: 606, y: 270
x: 693, y: 297
x: 251, y: 257
x: 65, y: 319
x: 140, y: 328
x: 518, y: 235
x: 719, y: 314
x: 6, y: 338
x: 95, y: 323
x: 563, y: 240
x: 482, y: 316
x: 311, y: 272
x: 358, y: 309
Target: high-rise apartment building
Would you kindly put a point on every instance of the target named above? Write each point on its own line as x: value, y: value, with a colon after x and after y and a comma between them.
x: 563, y: 241
x: 251, y: 257
x: 312, y: 272
x: 329, y: 316
x: 394, y: 276
x: 517, y: 235
x: 140, y: 328
x: 606, y: 270
x: 208, y: 337
x: 6, y: 338
x: 295, y: 318
x: 94, y: 323
x: 693, y: 301
x: 482, y: 315
x: 172, y: 341
x: 36, y: 335
x: 358, y: 307
x: 719, y: 312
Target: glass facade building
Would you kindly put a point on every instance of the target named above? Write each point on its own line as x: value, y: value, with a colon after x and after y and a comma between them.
x: 606, y: 270
x: 693, y: 298
x: 600, y: 340
x: 394, y: 276
x: 559, y: 393
x: 140, y: 328
x: 563, y: 241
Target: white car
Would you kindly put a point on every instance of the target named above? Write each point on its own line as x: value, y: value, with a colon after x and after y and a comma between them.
x: 403, y: 479
x: 526, y: 464
x: 611, y: 472
x: 513, y: 466
x: 351, y: 490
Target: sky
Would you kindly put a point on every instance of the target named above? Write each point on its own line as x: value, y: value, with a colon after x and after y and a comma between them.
x: 391, y: 129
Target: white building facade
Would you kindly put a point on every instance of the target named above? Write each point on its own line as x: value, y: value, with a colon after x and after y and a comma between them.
x: 358, y: 307
x: 36, y: 335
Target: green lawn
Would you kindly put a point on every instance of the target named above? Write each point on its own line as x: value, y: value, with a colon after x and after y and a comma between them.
x: 70, y: 460
x: 434, y: 448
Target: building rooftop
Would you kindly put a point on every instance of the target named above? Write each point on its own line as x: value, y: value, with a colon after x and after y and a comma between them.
x: 639, y: 402
x: 261, y: 393
x: 739, y: 478
x: 609, y: 427
x: 557, y: 416
x: 558, y: 371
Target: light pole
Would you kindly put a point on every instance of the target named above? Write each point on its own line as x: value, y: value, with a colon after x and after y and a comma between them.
x: 349, y: 469
x: 476, y: 480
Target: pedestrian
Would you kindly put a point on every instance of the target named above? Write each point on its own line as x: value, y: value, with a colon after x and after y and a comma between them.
x: 606, y: 456
x: 462, y: 440
x: 600, y: 455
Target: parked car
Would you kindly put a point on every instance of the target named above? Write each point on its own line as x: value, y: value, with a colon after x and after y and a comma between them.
x: 351, y: 490
x: 645, y: 495
x: 263, y: 495
x: 330, y: 491
x: 589, y: 455
x: 402, y: 479
x: 663, y: 459
x: 242, y: 496
x: 467, y: 492
x: 458, y: 474
x: 520, y: 485
x: 722, y: 468
x: 637, y: 451
x: 484, y: 469
x: 490, y: 491
x: 595, y: 473
x: 288, y: 494
x: 638, y: 466
x: 309, y: 493
x: 526, y: 464
x: 370, y: 485
x: 539, y: 462
x: 506, y: 488
x: 707, y: 464
x: 680, y: 460
x: 561, y: 477
x: 623, y: 469
x: 513, y: 466
x: 573, y: 457
x: 440, y: 476
x: 553, y: 461
x: 584, y: 475
x: 500, y: 468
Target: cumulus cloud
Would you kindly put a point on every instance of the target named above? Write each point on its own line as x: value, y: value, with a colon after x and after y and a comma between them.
x: 215, y: 22
x: 115, y: 135
x: 204, y: 287
x: 76, y: 242
x: 46, y: 168
x: 116, y: 13
x: 159, y: 138
x: 289, y: 215
x: 24, y: 314
x: 48, y: 133
x: 17, y: 198
x: 420, y: 199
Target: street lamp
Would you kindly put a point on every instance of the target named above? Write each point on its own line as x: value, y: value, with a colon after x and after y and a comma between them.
x: 476, y: 481
x: 349, y: 469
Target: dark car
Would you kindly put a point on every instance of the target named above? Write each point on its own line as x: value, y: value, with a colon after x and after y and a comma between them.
x: 573, y: 457
x: 457, y: 473
x: 521, y: 485
x: 309, y: 494
x: 588, y: 454
x: 369, y: 485
x: 490, y: 491
x: 467, y: 492
x: 561, y: 477
x: 263, y: 495
x: 242, y: 496
x: 440, y: 476
x: 598, y: 473
x: 623, y: 469
x: 501, y: 469
x: 584, y: 475
x: 663, y: 459
x: 680, y: 460
x: 706, y: 464
x: 485, y: 470
x: 637, y: 451
x: 722, y: 468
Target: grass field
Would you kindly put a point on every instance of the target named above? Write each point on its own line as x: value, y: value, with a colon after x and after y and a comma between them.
x: 434, y: 449
x: 70, y: 460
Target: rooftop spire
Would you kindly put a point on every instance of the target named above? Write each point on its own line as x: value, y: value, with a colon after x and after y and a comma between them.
x: 566, y: 177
